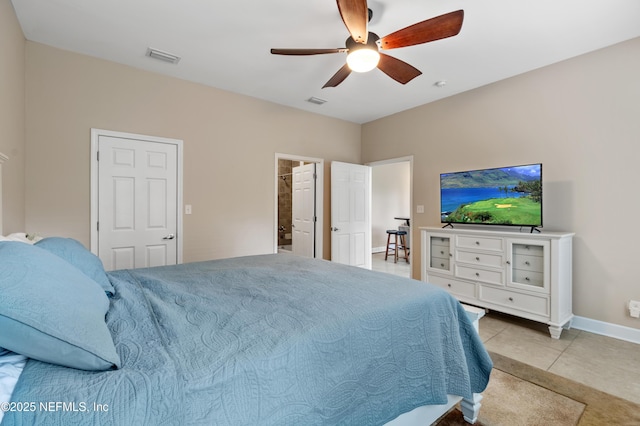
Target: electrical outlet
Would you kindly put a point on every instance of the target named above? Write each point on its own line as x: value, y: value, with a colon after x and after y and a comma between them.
x: 420, y: 209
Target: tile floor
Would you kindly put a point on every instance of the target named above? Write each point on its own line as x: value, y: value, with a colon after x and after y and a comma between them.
x: 401, y: 268
x: 601, y: 362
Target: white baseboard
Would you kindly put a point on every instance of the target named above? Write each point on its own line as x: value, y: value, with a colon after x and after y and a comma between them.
x: 606, y: 329
x: 378, y: 249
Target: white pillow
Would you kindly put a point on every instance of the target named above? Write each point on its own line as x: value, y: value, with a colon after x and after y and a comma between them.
x: 11, y: 366
x: 21, y: 237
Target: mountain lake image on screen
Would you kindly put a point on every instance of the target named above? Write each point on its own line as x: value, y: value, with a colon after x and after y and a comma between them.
x: 508, y: 196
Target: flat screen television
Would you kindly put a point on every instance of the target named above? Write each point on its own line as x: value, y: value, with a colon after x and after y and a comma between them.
x: 506, y: 196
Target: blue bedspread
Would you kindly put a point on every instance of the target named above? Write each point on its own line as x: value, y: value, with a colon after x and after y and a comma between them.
x: 265, y: 340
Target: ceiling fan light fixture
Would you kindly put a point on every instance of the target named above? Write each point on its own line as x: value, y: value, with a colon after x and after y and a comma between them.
x: 363, y: 60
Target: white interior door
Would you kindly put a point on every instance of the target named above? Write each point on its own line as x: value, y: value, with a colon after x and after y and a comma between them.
x: 303, y: 210
x: 137, y: 223
x: 351, y: 214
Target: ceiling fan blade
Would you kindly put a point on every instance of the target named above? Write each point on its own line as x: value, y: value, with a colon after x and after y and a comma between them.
x: 300, y: 52
x: 338, y: 77
x: 355, y: 16
x: 442, y: 26
x: 398, y: 70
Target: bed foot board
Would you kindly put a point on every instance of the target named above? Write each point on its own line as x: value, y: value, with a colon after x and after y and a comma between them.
x: 471, y: 407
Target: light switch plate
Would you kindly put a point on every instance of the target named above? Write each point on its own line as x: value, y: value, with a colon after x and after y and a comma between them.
x: 420, y: 209
x: 187, y: 209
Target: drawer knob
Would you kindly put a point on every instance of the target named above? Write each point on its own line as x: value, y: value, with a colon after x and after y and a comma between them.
x: 442, y: 265
x: 511, y: 299
x: 527, y: 279
x: 477, y: 274
x: 449, y: 285
x: 508, y: 262
x: 441, y: 252
x: 527, y: 263
x: 477, y: 243
x: 477, y: 258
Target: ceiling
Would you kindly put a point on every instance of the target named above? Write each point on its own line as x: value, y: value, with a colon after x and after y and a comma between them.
x: 226, y: 44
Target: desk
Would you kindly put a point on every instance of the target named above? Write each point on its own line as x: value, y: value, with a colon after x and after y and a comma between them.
x: 406, y: 220
x: 407, y: 228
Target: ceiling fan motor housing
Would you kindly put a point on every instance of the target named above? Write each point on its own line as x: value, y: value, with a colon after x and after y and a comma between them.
x: 372, y: 43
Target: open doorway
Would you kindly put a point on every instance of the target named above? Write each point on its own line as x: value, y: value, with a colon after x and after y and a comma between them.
x: 298, y: 221
x: 391, y: 192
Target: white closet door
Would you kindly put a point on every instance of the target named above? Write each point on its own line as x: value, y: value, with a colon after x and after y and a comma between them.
x: 137, y: 203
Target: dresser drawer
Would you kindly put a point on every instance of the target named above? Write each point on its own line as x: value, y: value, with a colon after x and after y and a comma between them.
x: 523, y: 302
x: 455, y: 287
x: 477, y: 274
x: 475, y: 258
x: 528, y: 249
x: 532, y: 278
x: 439, y: 241
x: 439, y: 263
x: 528, y: 263
x: 440, y: 252
x: 484, y: 243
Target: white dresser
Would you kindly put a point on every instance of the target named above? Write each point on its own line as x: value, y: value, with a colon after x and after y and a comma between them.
x: 527, y: 275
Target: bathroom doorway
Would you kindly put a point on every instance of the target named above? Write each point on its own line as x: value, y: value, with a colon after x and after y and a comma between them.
x: 298, y: 205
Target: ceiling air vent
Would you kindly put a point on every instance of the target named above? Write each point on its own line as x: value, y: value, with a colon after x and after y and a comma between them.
x: 162, y: 56
x: 316, y: 101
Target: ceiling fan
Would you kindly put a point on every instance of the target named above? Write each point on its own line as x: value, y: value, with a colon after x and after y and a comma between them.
x: 363, y: 47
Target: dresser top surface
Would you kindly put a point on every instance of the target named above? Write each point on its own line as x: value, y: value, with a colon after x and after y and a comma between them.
x: 498, y: 232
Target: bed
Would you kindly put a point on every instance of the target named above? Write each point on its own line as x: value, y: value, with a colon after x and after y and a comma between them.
x: 259, y: 340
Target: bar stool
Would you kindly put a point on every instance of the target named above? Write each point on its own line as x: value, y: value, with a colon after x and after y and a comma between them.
x: 397, y: 244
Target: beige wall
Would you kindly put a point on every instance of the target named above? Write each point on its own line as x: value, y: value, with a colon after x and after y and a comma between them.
x: 581, y: 119
x: 230, y: 143
x: 12, y: 117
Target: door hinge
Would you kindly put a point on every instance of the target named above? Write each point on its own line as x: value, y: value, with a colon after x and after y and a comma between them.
x: 315, y: 218
x: 97, y: 226
x: 98, y: 156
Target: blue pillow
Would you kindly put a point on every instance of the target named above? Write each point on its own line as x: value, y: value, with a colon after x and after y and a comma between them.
x: 52, y: 312
x: 74, y: 252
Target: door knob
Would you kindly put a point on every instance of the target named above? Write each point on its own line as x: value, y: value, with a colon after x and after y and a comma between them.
x: 169, y: 237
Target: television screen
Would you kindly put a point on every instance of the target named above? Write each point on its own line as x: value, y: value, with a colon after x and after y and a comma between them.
x: 500, y: 196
